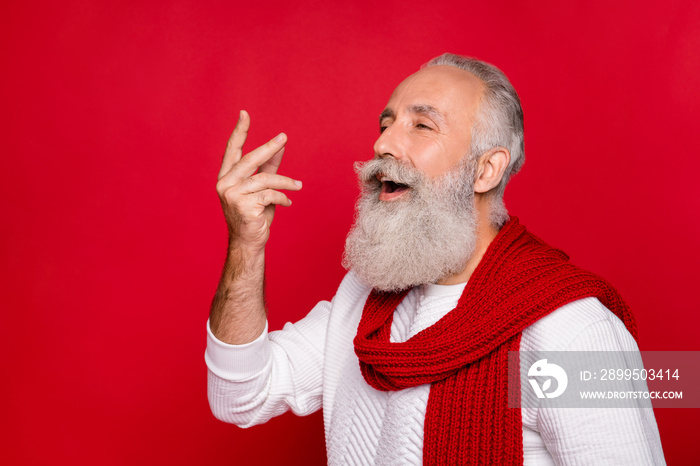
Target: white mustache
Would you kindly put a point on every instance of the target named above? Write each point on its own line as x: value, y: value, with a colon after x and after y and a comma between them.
x: 391, y: 168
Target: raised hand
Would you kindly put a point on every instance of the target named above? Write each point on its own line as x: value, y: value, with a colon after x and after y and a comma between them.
x: 249, y: 198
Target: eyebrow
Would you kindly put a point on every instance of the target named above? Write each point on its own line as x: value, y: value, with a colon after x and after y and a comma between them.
x: 420, y: 109
x: 387, y: 113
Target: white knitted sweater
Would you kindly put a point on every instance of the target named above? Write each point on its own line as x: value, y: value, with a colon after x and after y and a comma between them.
x: 312, y: 364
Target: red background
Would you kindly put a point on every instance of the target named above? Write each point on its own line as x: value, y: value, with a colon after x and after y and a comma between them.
x: 114, y: 119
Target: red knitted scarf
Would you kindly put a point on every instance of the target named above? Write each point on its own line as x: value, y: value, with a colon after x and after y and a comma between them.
x: 464, y: 355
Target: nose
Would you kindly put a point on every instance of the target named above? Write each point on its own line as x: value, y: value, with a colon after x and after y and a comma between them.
x: 388, y: 144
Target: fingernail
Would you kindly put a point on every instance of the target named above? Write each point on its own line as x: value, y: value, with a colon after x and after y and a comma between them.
x: 297, y: 182
x: 290, y: 202
x: 240, y: 115
x: 280, y: 137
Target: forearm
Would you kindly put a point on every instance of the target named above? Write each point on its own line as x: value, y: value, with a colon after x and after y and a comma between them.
x: 238, y: 312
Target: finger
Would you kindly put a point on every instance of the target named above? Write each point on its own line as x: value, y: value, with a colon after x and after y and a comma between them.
x: 250, y: 163
x: 268, y: 197
x: 234, y: 147
x: 262, y: 181
x: 272, y: 165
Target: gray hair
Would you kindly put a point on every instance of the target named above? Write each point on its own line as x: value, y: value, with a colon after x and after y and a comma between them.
x: 499, y: 121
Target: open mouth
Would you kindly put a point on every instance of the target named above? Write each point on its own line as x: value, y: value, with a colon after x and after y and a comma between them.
x: 391, y: 189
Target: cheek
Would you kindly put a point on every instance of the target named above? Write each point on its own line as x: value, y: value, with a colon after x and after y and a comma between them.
x: 434, y: 157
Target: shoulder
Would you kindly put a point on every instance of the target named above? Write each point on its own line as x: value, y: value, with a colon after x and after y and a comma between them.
x: 582, y: 325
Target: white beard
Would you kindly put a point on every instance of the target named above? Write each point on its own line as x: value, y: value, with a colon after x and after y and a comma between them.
x: 427, y: 235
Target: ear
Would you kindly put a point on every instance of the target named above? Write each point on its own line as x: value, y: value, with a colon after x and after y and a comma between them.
x: 490, y: 169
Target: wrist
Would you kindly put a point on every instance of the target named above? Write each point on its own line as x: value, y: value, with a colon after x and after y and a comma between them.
x: 249, y: 255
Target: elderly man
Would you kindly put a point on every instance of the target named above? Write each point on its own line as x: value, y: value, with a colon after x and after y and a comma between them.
x: 409, y: 359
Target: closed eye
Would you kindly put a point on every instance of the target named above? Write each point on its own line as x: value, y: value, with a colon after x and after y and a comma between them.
x: 422, y: 126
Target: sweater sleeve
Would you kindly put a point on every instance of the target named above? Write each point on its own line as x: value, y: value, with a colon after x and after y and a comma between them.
x: 619, y: 436
x: 281, y: 370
